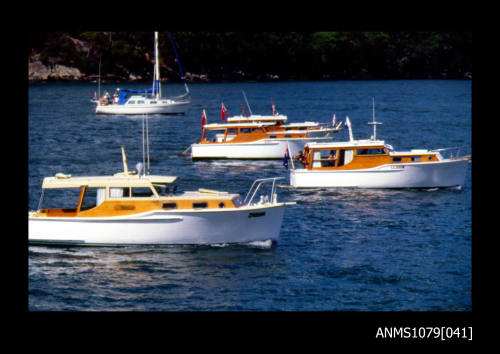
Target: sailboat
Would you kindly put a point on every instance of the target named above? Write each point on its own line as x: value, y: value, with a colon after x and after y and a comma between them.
x: 126, y: 101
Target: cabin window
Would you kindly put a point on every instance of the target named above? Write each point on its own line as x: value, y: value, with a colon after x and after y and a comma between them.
x: 324, y: 158
x: 430, y: 158
x: 214, y: 135
x: 415, y: 159
x: 200, y: 205
x: 141, y: 192
x: 288, y: 136
x: 119, y: 192
x: 64, y: 198
x: 152, y: 102
x: 272, y: 137
x: 92, y: 198
x: 222, y: 205
x: 232, y: 131
x: 397, y: 159
x: 371, y: 151
x: 140, y: 102
x: 162, y: 189
x: 245, y: 130
x: 345, y: 156
x: 169, y: 205
x: 131, y: 102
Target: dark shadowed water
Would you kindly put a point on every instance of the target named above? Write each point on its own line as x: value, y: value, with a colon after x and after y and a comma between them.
x: 339, y: 249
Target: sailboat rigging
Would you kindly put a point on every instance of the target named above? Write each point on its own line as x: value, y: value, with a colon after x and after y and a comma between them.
x: 127, y: 101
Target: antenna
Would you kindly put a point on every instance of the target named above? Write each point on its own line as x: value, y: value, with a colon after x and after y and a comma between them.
x: 348, y: 124
x: 249, y: 109
x: 373, y: 122
x: 99, y: 82
x: 124, y: 159
x: 145, y: 140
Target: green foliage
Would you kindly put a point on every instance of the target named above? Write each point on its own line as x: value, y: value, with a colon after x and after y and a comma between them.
x: 291, y: 55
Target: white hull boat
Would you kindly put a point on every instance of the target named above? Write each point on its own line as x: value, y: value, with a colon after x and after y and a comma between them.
x: 133, y: 106
x: 373, y: 164
x: 263, y: 149
x: 239, y: 225
x: 133, y: 209
x: 258, y: 137
x: 126, y: 101
x: 445, y: 173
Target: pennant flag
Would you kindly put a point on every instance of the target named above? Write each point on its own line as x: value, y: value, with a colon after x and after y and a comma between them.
x: 223, y: 111
x: 203, y: 118
x: 333, y: 120
x: 244, y: 112
x: 286, y: 157
x: 273, y: 107
x: 95, y: 96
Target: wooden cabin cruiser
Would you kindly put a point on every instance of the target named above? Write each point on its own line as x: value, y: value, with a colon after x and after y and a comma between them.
x: 130, y: 208
x: 150, y: 101
x: 374, y: 164
x: 258, y: 137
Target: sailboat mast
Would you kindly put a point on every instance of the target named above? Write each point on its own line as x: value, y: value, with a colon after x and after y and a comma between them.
x: 99, y: 82
x: 157, y: 69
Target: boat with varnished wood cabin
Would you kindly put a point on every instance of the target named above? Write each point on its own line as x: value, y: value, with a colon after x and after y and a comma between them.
x: 372, y: 163
x: 258, y: 137
x: 130, y: 208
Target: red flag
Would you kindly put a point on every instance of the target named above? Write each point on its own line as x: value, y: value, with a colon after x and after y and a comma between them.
x: 203, y: 118
x: 223, y: 111
x: 244, y: 112
x: 273, y: 107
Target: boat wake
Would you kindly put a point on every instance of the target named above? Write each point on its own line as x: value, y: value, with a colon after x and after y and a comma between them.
x: 266, y: 244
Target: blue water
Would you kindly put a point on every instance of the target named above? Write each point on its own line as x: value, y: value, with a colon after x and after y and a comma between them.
x: 340, y: 249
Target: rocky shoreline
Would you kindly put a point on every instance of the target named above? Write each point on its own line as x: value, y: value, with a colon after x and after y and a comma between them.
x: 39, y: 72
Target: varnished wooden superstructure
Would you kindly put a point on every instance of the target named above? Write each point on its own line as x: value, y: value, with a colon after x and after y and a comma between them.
x: 365, y: 154
x: 256, y: 137
x: 130, y: 208
x: 374, y: 164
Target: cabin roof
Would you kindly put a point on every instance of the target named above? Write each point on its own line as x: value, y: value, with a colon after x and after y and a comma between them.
x: 302, y: 124
x: 254, y: 117
x: 105, y: 181
x: 236, y: 125
x: 355, y: 143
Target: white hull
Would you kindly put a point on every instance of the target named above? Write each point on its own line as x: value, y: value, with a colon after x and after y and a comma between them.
x: 245, y: 224
x: 263, y: 149
x: 170, y: 108
x: 445, y: 173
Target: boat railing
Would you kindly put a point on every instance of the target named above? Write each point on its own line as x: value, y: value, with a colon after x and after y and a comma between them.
x: 255, y: 188
x: 451, y: 153
x: 322, y: 127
